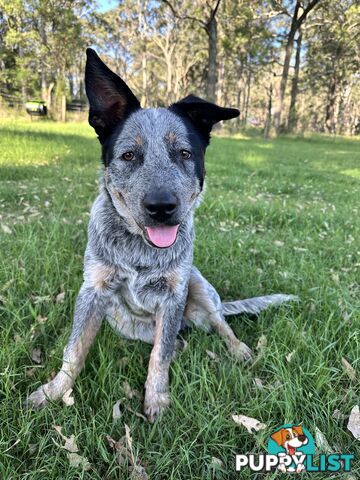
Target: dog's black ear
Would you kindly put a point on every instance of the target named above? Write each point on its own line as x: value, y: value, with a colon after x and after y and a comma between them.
x: 111, y: 100
x: 203, y: 114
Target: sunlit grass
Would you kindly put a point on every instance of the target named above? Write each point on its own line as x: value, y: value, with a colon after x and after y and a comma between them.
x: 278, y: 216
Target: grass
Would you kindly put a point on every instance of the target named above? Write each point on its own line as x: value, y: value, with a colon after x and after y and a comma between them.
x: 278, y: 216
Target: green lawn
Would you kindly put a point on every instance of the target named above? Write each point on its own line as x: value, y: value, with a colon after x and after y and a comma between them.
x: 278, y: 216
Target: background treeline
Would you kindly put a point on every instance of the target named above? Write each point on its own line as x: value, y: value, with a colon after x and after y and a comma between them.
x: 287, y: 65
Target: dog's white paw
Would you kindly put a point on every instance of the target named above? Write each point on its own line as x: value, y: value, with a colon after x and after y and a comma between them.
x: 241, y: 351
x: 155, y: 405
x: 37, y: 399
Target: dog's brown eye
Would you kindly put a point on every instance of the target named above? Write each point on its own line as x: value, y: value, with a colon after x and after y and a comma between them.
x: 128, y: 156
x: 185, y: 154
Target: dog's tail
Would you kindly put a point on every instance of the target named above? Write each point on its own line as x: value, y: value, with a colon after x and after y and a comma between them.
x: 256, y: 304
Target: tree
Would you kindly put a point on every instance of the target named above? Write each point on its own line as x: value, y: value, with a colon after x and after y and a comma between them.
x: 210, y: 24
x: 298, y: 17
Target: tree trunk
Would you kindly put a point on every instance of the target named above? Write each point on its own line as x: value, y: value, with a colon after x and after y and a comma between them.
x: 211, y: 81
x: 292, y: 120
x: 268, y: 117
x: 285, y: 72
x: 330, y: 107
x: 247, y: 90
x: 295, y: 25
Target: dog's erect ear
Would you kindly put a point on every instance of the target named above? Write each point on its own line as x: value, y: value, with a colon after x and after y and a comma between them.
x: 278, y: 436
x: 203, y: 114
x: 298, y: 429
x: 111, y: 100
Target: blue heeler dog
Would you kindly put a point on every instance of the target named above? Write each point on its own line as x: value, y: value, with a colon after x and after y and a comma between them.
x: 138, y: 266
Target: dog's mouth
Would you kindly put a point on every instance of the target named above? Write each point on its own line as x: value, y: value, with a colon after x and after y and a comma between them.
x: 162, y: 236
x: 291, y: 450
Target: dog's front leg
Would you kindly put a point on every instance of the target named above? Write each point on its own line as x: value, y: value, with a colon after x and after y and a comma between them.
x: 157, y: 397
x: 89, y: 312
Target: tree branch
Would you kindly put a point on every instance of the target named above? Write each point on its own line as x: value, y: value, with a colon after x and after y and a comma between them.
x: 185, y: 17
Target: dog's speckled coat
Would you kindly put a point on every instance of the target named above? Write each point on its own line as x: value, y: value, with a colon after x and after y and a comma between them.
x: 145, y: 292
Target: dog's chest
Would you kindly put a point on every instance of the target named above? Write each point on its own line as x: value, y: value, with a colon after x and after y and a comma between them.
x: 140, y: 292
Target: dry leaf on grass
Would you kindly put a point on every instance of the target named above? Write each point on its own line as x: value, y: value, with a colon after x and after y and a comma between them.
x: 120, y: 448
x: 41, y: 298
x: 289, y: 356
x: 249, y: 423
x: 261, y: 344
x: 117, y: 413
x: 131, y: 392
x: 349, y: 369
x: 36, y: 355
x: 118, y: 410
x: 138, y: 473
x: 124, y: 453
x: 354, y: 422
x: 77, y: 461
x: 5, y: 229
x: 338, y: 415
x: 216, y: 463
x: 259, y: 383
x: 67, y: 398
x: 212, y: 355
x: 60, y: 297
x: 41, y: 319
x: 30, y: 372
x: 321, y: 442
x: 70, y: 443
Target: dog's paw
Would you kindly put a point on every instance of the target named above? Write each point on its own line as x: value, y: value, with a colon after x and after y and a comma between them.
x: 37, y: 399
x: 241, y: 351
x: 155, y: 405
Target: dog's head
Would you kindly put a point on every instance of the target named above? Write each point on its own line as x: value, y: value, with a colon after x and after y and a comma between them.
x: 290, y: 438
x: 154, y: 158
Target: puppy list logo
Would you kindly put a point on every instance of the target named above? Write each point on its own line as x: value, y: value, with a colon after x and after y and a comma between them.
x: 291, y: 449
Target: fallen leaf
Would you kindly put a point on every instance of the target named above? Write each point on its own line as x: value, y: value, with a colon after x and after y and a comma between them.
x: 70, y: 443
x: 41, y: 299
x: 67, y: 398
x: 41, y: 319
x: 32, y: 448
x: 289, y: 356
x: 354, y: 422
x: 349, y: 369
x: 30, y: 372
x: 120, y: 448
x: 60, y: 297
x: 129, y: 443
x: 131, y: 392
x: 321, y: 442
x: 279, y: 243
x: 216, y: 463
x: 138, y: 473
x: 5, y: 229
x: 249, y: 423
x: 212, y: 355
x: 117, y: 413
x: 77, y: 461
x: 36, y: 355
x: 338, y: 415
x: 258, y: 383
x: 261, y: 344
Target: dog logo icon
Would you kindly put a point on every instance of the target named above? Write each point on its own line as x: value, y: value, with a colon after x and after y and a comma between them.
x: 292, y: 441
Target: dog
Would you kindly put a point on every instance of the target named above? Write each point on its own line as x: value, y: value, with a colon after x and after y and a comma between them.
x: 138, y: 263
x: 290, y: 439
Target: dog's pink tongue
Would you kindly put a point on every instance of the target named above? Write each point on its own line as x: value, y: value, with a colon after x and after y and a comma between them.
x: 163, y: 236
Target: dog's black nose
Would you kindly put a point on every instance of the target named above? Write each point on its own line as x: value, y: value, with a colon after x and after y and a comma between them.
x: 160, y: 205
x: 302, y: 438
